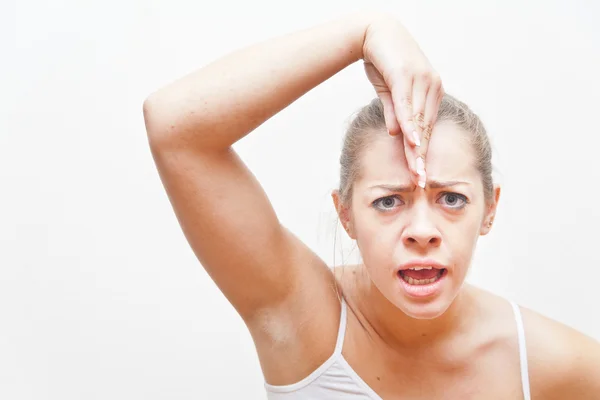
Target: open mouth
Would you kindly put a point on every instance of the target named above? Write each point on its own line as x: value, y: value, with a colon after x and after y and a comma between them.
x: 420, y: 276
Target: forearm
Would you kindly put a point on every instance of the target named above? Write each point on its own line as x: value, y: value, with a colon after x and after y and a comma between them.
x: 222, y: 102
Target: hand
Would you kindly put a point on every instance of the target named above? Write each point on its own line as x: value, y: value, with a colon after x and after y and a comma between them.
x: 409, y: 88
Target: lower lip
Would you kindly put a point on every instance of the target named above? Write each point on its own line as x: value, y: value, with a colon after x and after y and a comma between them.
x: 422, y: 291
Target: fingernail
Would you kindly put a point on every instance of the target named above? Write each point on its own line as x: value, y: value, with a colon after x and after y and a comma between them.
x: 416, y: 138
x: 420, y: 166
x: 422, y: 181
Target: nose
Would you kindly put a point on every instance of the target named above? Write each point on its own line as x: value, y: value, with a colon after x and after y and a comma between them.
x: 421, y: 230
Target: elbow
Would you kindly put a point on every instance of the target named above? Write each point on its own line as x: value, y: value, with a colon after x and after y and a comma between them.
x: 172, y: 124
x: 164, y: 126
x: 153, y: 120
x: 168, y: 125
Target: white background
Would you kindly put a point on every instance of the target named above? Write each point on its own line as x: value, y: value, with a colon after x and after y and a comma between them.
x: 100, y: 295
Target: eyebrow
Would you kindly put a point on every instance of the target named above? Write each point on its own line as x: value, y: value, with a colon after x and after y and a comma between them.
x: 409, y: 188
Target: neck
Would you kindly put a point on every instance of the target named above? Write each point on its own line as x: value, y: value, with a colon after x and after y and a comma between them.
x: 401, y: 331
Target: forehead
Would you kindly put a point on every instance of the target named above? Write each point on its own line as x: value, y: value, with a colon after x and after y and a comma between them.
x: 450, y: 156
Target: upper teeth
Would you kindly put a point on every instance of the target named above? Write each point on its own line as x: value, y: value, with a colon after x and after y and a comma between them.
x: 420, y: 268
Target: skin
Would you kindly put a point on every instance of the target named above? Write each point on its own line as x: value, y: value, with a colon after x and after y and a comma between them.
x: 464, y: 334
x: 461, y: 344
x: 440, y: 223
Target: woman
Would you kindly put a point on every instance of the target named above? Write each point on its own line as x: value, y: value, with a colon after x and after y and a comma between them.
x: 401, y: 325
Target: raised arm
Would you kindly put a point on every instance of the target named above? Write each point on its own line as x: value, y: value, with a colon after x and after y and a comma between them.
x: 223, y: 211
x: 214, y: 107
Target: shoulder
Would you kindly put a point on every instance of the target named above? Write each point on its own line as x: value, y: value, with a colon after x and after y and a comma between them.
x: 563, y: 362
x: 296, y: 338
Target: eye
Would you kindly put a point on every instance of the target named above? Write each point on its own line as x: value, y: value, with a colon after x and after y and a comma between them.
x: 454, y: 200
x: 387, y: 202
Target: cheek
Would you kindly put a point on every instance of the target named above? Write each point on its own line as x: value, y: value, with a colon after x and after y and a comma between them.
x: 376, y: 244
x: 461, y: 238
x: 373, y: 242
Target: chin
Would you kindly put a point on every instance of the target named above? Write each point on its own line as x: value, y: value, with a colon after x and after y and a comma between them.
x: 426, y: 310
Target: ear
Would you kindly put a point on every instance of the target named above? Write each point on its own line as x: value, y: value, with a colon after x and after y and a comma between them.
x: 344, y: 214
x: 490, y: 213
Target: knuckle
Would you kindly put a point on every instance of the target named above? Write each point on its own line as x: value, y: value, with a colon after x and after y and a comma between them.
x: 425, y: 76
x: 398, y: 74
x: 427, y: 130
x: 405, y: 71
x: 406, y: 101
x: 419, y: 118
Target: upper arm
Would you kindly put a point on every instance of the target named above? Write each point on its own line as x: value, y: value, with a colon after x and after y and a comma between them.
x: 233, y: 230
x: 581, y: 369
x: 564, y: 363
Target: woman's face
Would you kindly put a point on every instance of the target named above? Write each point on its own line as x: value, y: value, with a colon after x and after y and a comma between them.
x: 434, y: 231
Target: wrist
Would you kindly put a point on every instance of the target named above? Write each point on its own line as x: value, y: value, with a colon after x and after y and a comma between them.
x: 357, y: 24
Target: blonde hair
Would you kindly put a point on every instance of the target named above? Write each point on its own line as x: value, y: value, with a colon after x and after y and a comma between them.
x: 369, y: 123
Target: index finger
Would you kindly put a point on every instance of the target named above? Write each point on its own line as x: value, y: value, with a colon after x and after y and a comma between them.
x: 402, y: 98
x: 403, y: 105
x: 435, y: 95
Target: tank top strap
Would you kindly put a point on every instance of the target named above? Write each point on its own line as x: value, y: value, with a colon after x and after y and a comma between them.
x: 339, y: 344
x: 522, y: 351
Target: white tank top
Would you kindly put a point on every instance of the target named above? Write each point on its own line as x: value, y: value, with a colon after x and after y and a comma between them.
x: 336, y: 380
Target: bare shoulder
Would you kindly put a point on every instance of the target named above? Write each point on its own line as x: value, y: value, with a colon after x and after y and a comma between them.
x: 563, y: 362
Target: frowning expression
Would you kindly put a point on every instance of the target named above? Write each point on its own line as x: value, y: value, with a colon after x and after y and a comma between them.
x: 417, y: 244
